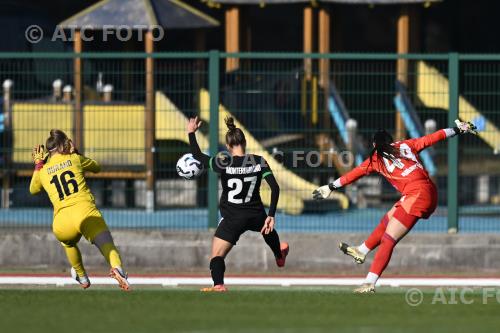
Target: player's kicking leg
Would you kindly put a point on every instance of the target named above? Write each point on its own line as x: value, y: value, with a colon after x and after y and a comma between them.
x: 358, y: 253
x: 397, y: 227
x: 354, y: 252
x: 220, y: 248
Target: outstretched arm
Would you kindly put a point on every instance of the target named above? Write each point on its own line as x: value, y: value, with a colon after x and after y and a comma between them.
x: 423, y: 142
x: 420, y: 144
x: 361, y: 170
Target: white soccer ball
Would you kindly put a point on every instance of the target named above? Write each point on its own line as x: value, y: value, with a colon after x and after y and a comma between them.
x: 188, y: 167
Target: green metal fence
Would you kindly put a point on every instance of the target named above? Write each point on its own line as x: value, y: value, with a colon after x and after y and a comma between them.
x: 297, y: 111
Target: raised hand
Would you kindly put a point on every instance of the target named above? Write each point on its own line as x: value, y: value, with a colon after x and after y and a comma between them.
x: 193, y: 125
x: 37, y: 154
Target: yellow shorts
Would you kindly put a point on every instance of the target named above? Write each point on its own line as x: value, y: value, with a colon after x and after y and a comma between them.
x: 72, y: 222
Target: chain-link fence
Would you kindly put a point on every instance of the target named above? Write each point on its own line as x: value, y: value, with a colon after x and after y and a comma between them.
x: 310, y: 116
x: 479, y: 181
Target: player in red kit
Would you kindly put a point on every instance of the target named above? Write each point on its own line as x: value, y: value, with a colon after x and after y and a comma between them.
x: 398, y: 162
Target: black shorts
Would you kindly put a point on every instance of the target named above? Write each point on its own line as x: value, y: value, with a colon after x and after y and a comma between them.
x: 230, y: 229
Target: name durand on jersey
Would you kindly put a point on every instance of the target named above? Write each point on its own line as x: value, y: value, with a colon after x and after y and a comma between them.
x: 241, y: 177
x: 62, y: 177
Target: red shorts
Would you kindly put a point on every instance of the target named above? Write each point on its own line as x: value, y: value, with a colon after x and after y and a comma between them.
x: 419, y: 201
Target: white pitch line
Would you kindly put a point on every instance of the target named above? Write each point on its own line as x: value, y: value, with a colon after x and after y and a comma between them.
x: 255, y: 281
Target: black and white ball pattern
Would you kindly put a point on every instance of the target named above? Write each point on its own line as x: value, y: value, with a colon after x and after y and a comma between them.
x: 188, y: 167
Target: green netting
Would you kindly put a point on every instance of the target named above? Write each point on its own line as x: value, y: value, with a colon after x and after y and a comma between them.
x: 296, y: 110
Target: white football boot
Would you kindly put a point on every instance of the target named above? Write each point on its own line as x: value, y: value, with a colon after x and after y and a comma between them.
x: 84, y: 281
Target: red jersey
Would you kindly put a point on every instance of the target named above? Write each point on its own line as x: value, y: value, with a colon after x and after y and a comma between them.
x: 406, y: 172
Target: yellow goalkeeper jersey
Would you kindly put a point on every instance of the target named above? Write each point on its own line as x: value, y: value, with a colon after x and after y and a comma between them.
x: 62, y: 177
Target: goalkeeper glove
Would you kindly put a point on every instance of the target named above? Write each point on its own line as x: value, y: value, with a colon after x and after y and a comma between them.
x: 323, y: 192
x: 465, y: 127
x: 38, y: 154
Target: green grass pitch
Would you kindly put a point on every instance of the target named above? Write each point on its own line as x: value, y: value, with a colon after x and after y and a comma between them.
x: 240, y: 310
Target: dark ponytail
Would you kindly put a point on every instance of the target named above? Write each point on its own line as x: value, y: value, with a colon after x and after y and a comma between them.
x: 234, y: 135
x: 58, y: 142
x: 382, y: 146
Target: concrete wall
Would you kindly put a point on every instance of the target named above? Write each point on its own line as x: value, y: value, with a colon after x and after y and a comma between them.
x: 314, y: 253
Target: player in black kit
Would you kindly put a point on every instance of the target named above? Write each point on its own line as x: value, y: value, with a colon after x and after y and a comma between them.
x: 240, y: 204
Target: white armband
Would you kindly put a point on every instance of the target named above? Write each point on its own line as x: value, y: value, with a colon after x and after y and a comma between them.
x: 450, y: 132
x: 337, y: 183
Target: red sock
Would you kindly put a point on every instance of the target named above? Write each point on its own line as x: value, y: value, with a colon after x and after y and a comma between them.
x: 383, y: 254
x: 374, y: 239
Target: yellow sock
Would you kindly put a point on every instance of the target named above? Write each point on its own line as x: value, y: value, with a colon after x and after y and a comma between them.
x: 110, y: 252
x: 75, y: 259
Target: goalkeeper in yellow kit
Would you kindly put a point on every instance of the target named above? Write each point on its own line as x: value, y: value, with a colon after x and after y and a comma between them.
x: 61, y: 175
